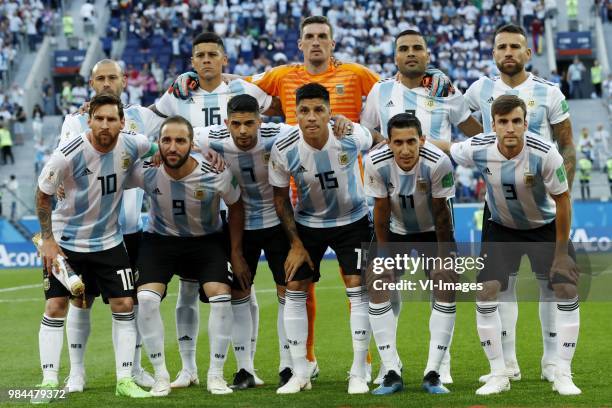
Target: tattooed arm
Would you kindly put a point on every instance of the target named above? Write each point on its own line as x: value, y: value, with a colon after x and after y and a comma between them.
x: 562, y: 134
x: 49, y: 249
x: 297, y: 254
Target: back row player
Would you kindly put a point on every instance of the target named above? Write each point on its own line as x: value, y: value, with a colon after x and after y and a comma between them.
x: 347, y: 84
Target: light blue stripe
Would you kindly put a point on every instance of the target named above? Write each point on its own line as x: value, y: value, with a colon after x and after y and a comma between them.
x: 540, y: 94
x: 83, y: 121
x: 209, y: 206
x: 540, y: 195
x: 293, y: 161
x: 81, y: 201
x: 212, y: 101
x: 254, y: 206
x: 358, y: 200
x: 177, y: 192
x: 410, y: 100
x: 486, y: 92
x: 480, y: 159
x: 330, y: 195
x: 386, y: 90
x: 426, y: 174
x: 108, y: 213
x: 514, y: 206
x: 134, y: 114
x: 437, y: 117
x: 409, y: 216
x: 236, y: 88
x: 216, y: 146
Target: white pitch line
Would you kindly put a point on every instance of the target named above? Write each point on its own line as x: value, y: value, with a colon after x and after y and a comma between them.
x: 16, y: 288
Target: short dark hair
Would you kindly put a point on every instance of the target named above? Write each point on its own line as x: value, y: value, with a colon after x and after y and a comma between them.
x: 312, y: 90
x: 316, y: 20
x: 208, y: 37
x: 404, y: 121
x: 105, y: 99
x: 179, y: 120
x: 410, y: 32
x: 242, y: 103
x: 505, y: 104
x: 510, y: 28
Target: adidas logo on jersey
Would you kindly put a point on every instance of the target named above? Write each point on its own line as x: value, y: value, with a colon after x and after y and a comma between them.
x: 302, y: 169
x: 86, y: 172
x: 390, y: 104
x: 190, y: 100
x: 488, y: 172
x: 156, y: 191
x: 490, y: 100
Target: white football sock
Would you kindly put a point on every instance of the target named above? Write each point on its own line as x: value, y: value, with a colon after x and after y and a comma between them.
x: 360, y: 329
x: 255, y: 323
x: 283, y: 345
x: 220, y: 323
x: 78, y: 327
x: 508, y: 314
x: 296, y: 329
x: 241, y: 333
x: 151, y: 328
x: 568, y: 326
x: 188, y: 323
x: 441, y: 324
x: 489, y: 331
x: 137, y: 350
x: 382, y: 322
x: 124, y: 342
x: 396, y: 304
x: 548, y: 317
x: 50, y: 342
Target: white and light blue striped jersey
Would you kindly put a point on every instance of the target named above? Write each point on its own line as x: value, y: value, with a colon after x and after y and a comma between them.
x: 329, y: 187
x: 188, y: 207
x: 410, y: 192
x: 86, y: 220
x: 210, y: 108
x: 546, y: 105
x: 138, y: 119
x: 389, y: 97
x: 250, y: 168
x: 519, y: 189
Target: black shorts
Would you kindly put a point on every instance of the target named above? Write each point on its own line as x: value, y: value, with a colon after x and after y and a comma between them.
x: 132, y: 246
x: 426, y: 238
x: 201, y: 259
x: 273, y: 241
x: 346, y: 241
x: 105, y: 272
x: 503, y: 260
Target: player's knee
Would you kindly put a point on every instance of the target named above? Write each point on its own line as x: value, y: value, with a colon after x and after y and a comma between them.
x: 240, y: 293
x: 122, y: 305
x: 81, y: 303
x: 301, y: 285
x: 216, y: 288
x: 280, y: 291
x: 56, y: 307
x: 490, y: 291
x: 565, y: 290
x: 352, y: 281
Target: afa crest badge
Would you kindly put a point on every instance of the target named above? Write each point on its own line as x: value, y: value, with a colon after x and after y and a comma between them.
x: 343, y: 158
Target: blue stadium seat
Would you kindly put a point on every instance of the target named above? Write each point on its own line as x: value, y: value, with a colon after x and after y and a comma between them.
x: 31, y: 224
x: 9, y: 235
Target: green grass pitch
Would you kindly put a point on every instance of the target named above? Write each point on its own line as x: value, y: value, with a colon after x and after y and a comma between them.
x: 21, y: 309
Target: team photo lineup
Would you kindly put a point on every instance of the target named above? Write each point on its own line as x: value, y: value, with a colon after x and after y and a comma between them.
x: 227, y: 180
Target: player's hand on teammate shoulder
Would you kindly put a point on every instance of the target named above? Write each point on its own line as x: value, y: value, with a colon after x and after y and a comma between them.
x: 184, y: 84
x: 438, y: 83
x: 564, y: 265
x: 216, y: 160
x: 342, y: 126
